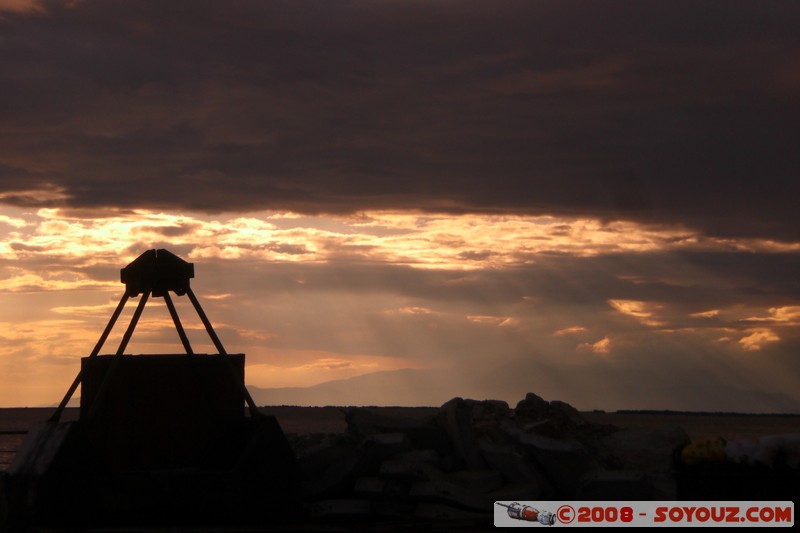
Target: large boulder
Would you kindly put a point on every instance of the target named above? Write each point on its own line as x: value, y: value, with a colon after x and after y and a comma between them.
x: 330, y: 466
x: 421, y: 433
x: 554, y: 419
x: 456, y: 418
x: 563, y: 462
x: 650, y: 450
x: 646, y: 449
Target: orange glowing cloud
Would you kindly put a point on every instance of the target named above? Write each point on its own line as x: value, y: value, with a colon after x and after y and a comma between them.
x: 25, y: 282
x: 642, y: 311
x: 788, y: 315
x: 758, y: 338
x: 303, y: 368
x: 465, y: 242
x: 603, y: 346
x: 706, y: 314
x: 500, y: 321
x: 414, y: 310
x: 569, y: 331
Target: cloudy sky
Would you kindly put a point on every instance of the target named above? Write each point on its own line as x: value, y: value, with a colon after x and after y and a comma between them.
x: 594, y: 201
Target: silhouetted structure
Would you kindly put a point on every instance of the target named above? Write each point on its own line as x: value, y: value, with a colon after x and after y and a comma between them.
x: 161, y: 438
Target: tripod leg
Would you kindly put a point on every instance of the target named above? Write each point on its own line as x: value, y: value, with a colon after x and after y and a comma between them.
x: 134, y: 320
x: 234, y: 374
x: 57, y: 415
x: 101, y: 391
x: 178, y: 326
x: 110, y: 325
x: 206, y: 323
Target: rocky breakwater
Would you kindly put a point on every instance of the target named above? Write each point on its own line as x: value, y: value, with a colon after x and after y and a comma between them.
x: 453, y: 465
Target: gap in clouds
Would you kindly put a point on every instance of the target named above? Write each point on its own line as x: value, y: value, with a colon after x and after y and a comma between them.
x: 604, y: 315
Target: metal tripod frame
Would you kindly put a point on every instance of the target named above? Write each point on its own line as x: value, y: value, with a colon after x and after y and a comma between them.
x: 127, y: 337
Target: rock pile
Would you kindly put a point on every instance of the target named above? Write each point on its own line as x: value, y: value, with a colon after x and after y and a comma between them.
x: 455, y: 464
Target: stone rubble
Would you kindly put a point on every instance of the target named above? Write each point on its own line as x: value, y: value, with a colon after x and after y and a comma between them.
x: 470, y: 454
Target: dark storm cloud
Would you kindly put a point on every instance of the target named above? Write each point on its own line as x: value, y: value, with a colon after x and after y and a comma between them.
x: 673, y: 111
x: 684, y: 283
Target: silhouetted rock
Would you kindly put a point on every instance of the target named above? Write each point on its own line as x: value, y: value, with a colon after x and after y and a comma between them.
x: 420, y: 456
x: 563, y: 408
x: 563, y: 462
x: 533, y: 404
x: 325, y: 452
x: 398, y: 510
x: 551, y: 419
x: 448, y: 492
x: 410, y: 468
x: 362, y: 422
x: 514, y: 465
x: 380, y: 487
x: 442, y: 512
x: 486, y: 409
x: 649, y: 450
x: 330, y: 466
x: 480, y: 481
x: 382, y: 445
x: 456, y: 417
x: 338, y: 509
x: 625, y: 485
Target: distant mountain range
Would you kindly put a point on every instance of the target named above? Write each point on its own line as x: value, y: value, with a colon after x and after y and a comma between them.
x: 406, y: 387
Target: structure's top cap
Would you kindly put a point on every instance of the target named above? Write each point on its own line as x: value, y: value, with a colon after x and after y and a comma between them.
x: 158, y: 271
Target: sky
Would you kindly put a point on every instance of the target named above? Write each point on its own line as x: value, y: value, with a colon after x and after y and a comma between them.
x: 592, y: 201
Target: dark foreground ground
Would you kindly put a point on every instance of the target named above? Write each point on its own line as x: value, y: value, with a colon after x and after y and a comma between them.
x: 323, y: 437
